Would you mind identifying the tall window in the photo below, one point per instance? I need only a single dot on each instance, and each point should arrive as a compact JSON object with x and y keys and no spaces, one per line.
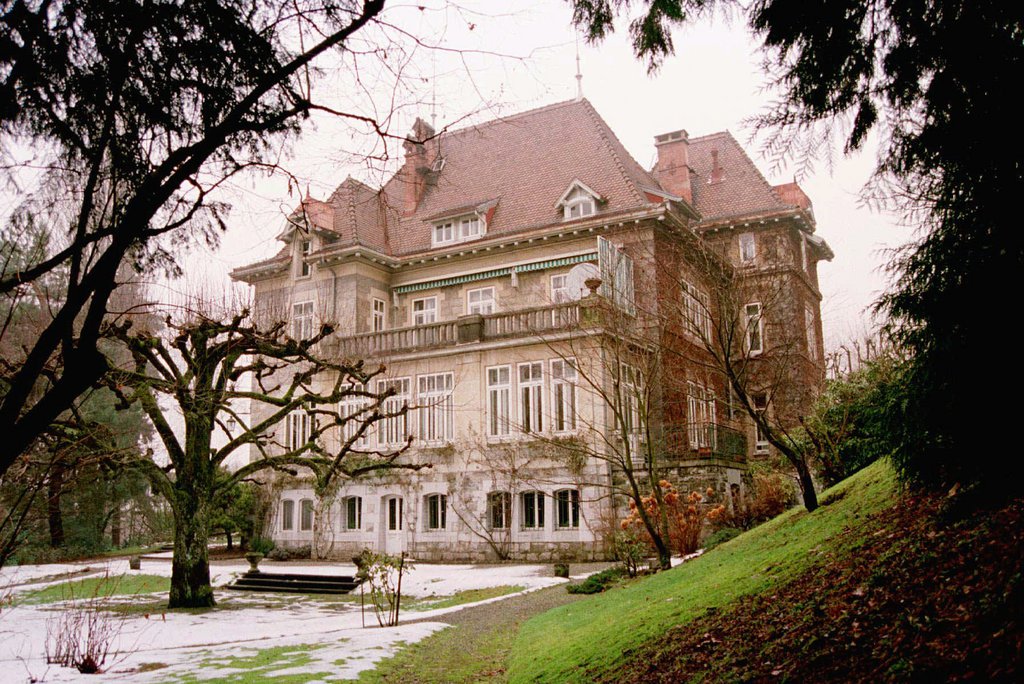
{"x":701,"y":407}
{"x":424,"y":310}
{"x":499,"y":510}
{"x":616,"y":275}
{"x":298,"y":426}
{"x":499,"y":389}
{"x":533,"y":510}
{"x":306,"y":515}
{"x":560,"y":288}
{"x":629,"y":397}
{"x":302,"y":320}
{"x":803,"y":252}
{"x":812,"y":333}
{"x":761,"y":443}
{"x":531,"y":397}
{"x":350,"y":410}
{"x":379,"y":315}
{"x":393,"y":430}
{"x":287,"y":515}
{"x":754,"y":328}
{"x":696,"y":311}
{"x":305,"y":248}
{"x":437,"y":511}
{"x":563,"y":395}
{"x":353,"y":507}
{"x":748,"y":248}
{"x":480,"y":301}
{"x":395,"y":513}
{"x":436,"y":407}
{"x":567,"y":506}
{"x":578,"y":204}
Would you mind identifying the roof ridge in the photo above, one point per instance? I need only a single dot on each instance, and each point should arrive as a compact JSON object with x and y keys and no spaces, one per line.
{"x":606,"y":133}
{"x":510,"y":117}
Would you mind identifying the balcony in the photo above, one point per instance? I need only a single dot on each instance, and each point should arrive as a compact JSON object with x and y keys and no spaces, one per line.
{"x":464,"y":330}
{"x":701,"y":440}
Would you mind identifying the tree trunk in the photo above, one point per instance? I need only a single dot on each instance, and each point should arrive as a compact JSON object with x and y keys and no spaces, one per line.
{"x":54,"y":517}
{"x":806,"y":485}
{"x":190,"y":567}
{"x":115,"y":526}
{"x":227,"y":532}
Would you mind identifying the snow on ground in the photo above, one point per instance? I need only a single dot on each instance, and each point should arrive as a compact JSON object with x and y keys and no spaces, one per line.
{"x":327,"y":633}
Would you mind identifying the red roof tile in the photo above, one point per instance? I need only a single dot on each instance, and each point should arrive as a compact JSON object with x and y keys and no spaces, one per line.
{"x":741,"y":190}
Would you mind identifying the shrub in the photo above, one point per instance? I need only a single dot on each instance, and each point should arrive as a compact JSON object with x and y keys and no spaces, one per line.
{"x":630,"y":548}
{"x":599,"y":581}
{"x":770,"y":494}
{"x":721,"y":536}
{"x":282,"y":553}
{"x":261,"y":545}
{"x":383,"y":573}
{"x":685,"y":517}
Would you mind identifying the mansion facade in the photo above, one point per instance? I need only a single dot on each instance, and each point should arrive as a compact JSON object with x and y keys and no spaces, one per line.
{"x":545,"y":307}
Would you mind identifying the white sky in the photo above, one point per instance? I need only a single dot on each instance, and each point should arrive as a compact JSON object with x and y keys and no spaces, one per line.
{"x":512,"y":62}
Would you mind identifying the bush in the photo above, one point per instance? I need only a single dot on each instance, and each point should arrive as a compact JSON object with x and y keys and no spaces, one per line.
{"x":630,"y":548}
{"x":383,"y":573}
{"x":261,"y":545}
{"x":721,"y":536}
{"x":599,"y":581}
{"x":685,"y":517}
{"x":281,"y":553}
{"x":770,"y":494}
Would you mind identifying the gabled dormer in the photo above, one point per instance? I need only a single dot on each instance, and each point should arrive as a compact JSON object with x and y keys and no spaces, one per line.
{"x":461,"y":224}
{"x":578,"y":201}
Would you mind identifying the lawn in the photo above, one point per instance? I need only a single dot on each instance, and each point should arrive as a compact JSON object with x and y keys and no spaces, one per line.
{"x":582,"y":641}
{"x":97,"y":588}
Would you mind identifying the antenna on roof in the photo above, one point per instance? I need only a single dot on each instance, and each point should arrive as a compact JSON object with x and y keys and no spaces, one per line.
{"x":433,"y":93}
{"x":579,"y":74}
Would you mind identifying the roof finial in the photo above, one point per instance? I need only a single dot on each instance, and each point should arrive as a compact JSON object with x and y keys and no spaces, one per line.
{"x":579,"y":74}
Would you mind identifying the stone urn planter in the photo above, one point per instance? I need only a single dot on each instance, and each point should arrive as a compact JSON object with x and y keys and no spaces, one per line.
{"x":134,"y":563}
{"x":254,"y":558}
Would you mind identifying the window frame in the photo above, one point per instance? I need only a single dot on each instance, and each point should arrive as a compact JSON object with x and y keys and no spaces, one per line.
{"x":560,"y":294}
{"x":348,"y":504}
{"x":530,"y":396}
{"x":390,"y":512}
{"x":567,"y":501}
{"x":303,"y":315}
{"x":348,"y":407}
{"x":499,"y":500}
{"x":456,"y":229}
{"x":299,"y":422}
{"x":378,"y":315}
{"x":811,"y":329}
{"x":748,"y":345}
{"x":578,"y":198}
{"x":748,"y":248}
{"x":536,"y":506}
{"x":498,"y":402}
{"x":435,"y":517}
{"x":567,"y":400}
{"x":305,"y":249}
{"x":306,"y":507}
{"x":420,"y":317}
{"x":761,"y":444}
{"x":388,"y":428}
{"x":287,"y":515}
{"x":438,"y":410}
{"x":479,"y":306}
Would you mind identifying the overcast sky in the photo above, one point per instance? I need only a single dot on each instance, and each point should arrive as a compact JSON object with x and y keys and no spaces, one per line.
{"x":497,"y":64}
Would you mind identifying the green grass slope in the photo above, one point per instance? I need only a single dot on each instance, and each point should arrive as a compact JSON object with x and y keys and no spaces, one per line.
{"x":587,"y":640}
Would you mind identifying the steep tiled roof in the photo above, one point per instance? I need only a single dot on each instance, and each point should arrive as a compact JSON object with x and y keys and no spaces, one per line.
{"x":359,"y":215}
{"x":526,"y":161}
{"x":741,"y":190}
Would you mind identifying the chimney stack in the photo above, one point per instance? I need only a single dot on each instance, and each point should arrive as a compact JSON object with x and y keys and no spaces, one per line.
{"x":673,"y":167}
{"x":418,"y":163}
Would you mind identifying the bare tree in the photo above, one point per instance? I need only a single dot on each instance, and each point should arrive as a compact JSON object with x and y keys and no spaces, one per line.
{"x":199,"y":367}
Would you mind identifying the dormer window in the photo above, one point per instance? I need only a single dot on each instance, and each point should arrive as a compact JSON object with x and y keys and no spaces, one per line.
{"x":459,"y":229}
{"x":578,"y":201}
{"x":305,"y":248}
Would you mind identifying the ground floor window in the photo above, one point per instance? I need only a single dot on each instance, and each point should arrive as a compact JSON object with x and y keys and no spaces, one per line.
{"x":437,"y":511}
{"x":567,"y":502}
{"x":306,"y":517}
{"x":353,"y":507}
{"x":533,"y":510}
{"x":394,"y":514}
{"x":287,"y":515}
{"x":499,"y":510}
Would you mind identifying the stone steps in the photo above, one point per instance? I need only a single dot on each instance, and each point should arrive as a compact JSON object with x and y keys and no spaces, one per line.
{"x":295,"y":584}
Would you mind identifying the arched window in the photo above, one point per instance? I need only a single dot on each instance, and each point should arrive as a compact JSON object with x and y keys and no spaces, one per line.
{"x":499,"y":510}
{"x":437,"y":511}
{"x":567,"y":505}
{"x":287,"y":514}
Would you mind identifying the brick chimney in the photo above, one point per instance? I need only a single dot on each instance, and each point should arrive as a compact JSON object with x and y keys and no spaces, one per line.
{"x":673,"y":167}
{"x":416,"y":171}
